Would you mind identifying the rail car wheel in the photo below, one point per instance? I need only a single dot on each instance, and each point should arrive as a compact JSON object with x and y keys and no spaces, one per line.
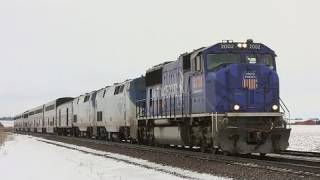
{"x":156,"y":144}
{"x":202,"y":148}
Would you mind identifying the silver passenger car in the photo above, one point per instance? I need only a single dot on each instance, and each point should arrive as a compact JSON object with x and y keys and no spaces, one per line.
{"x":65,"y":118}
{"x":50,"y":114}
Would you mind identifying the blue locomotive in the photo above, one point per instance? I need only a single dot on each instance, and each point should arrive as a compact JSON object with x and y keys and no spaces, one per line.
{"x":223,"y":97}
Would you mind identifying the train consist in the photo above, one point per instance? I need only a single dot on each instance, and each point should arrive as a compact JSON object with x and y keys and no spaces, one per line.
{"x":223,"y":97}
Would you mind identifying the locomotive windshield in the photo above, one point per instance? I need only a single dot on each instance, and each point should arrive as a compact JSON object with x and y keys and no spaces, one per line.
{"x":266,"y":59}
{"x":216,"y":60}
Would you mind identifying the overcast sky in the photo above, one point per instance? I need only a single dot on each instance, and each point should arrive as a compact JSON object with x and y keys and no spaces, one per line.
{"x":56,"y":48}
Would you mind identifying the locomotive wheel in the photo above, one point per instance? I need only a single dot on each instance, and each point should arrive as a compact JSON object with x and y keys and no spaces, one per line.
{"x":215,"y":150}
{"x":203,"y":146}
{"x":226,"y":153}
{"x":263,"y":154}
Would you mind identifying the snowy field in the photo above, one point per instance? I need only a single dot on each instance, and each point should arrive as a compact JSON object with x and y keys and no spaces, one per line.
{"x":24,"y":157}
{"x":7,"y":123}
{"x":27,"y":158}
{"x":305,"y":138}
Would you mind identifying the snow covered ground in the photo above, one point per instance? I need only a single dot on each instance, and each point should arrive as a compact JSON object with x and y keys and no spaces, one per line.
{"x":24,"y":157}
{"x":7,"y":123}
{"x":27,"y":158}
{"x":305,"y":138}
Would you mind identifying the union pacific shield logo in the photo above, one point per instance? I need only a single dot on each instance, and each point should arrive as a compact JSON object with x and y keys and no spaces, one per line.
{"x":250,"y":81}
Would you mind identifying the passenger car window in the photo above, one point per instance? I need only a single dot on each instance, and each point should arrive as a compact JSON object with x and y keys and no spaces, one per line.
{"x":99,"y":116}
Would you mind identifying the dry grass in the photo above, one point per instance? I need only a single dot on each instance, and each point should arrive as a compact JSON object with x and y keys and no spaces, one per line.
{"x":8,"y":129}
{"x":3,"y":136}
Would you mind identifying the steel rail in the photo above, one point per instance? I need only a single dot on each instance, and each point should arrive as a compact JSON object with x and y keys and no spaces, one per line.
{"x":300,"y":153}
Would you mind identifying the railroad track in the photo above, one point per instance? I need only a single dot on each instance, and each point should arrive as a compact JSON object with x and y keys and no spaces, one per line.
{"x":303,"y":168}
{"x":301,"y":153}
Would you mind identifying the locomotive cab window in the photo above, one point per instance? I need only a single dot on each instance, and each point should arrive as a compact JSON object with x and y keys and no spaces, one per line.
{"x":86,"y":98}
{"x":266,"y":59}
{"x":121,"y":89}
{"x":251,"y":59}
{"x":197,"y":63}
{"x":186,"y":62}
{"x":118,"y":89}
{"x":216,"y":60}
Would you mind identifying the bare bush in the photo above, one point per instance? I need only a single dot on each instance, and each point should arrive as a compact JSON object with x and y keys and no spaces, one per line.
{"x":3,"y":136}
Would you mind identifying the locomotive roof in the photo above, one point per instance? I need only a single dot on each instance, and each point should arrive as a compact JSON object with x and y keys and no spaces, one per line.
{"x":159,"y":66}
{"x":229,"y":46}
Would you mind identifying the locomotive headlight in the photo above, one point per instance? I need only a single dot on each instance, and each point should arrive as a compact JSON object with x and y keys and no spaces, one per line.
{"x":239,"y":45}
{"x":275,"y":107}
{"x":244,"y":45}
{"x":236,"y":107}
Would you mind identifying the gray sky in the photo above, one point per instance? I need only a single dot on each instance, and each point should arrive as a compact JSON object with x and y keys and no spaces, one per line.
{"x":50,"y":49}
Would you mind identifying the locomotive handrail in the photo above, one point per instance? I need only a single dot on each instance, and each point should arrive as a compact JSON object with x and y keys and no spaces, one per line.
{"x":174,"y":107}
{"x":282,"y":104}
{"x":224,"y":98}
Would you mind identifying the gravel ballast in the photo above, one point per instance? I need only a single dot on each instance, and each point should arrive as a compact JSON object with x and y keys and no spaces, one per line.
{"x":188,"y":163}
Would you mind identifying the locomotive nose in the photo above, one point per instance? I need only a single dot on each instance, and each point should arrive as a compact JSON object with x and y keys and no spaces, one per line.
{"x":253,"y":88}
